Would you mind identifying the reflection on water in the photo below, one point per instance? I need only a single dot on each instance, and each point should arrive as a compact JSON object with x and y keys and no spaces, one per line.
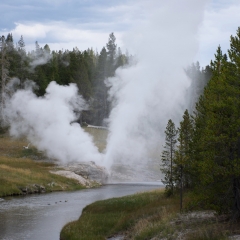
{"x":38,"y":217}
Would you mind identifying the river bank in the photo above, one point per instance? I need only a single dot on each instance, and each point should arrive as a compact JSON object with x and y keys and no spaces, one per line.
{"x":42,"y":216}
{"x":25,"y":170}
{"x":149,"y":215}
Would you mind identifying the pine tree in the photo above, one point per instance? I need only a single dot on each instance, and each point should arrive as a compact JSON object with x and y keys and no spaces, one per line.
{"x":64,"y":67}
{"x":111,"y":55}
{"x":100,"y":103}
{"x":21,"y":44}
{"x":22,"y":62}
{"x":234,"y":75}
{"x":185,"y":135}
{"x":90,"y":61}
{"x":208,"y":139}
{"x":4,"y":76}
{"x":54,"y":68}
{"x":216,"y":140}
{"x":9,"y":42}
{"x":168,"y":155}
{"x":38,"y":50}
{"x":182,"y":160}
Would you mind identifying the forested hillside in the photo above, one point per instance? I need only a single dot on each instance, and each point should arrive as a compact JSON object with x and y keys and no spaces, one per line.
{"x":203,"y":154}
{"x":88,"y":69}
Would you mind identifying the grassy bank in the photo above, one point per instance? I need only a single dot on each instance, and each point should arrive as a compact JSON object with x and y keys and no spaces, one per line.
{"x":21,"y":170}
{"x":148,"y":215}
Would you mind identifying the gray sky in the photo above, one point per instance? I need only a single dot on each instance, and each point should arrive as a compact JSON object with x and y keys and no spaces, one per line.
{"x":64,"y":24}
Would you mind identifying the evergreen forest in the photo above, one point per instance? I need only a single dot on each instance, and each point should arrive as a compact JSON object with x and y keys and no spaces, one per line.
{"x":201,"y":154}
{"x":88,"y":69}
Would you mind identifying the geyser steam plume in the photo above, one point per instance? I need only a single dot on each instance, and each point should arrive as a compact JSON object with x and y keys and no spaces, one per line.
{"x":152,"y":91}
{"x":145,"y":94}
{"x":46,"y":121}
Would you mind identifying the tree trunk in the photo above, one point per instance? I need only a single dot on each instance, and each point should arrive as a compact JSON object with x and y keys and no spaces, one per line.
{"x":236,"y":193}
{"x":181,"y":187}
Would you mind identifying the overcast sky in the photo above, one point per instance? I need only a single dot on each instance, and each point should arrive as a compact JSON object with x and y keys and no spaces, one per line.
{"x":64,"y":24}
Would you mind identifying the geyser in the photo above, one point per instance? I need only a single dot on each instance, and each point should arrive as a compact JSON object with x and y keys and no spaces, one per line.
{"x":46,"y":123}
{"x":145,"y":94}
{"x":152,"y":91}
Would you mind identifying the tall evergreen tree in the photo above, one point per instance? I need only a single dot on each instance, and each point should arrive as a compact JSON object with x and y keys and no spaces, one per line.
{"x":185,"y":135}
{"x":21,"y":44}
{"x":9,"y":42}
{"x":4,"y":76}
{"x":111,"y":54}
{"x":22,"y":62}
{"x":168,"y":155}
{"x":182,"y":160}
{"x":234,"y":81}
{"x":64,"y":67}
{"x":54,"y":68}
{"x":38,"y":50}
{"x":216,"y":140}
{"x":100,"y":103}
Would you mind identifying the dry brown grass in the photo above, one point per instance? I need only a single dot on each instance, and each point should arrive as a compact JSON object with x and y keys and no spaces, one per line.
{"x":11,"y":146}
{"x":6,"y":169}
{"x":18,"y":169}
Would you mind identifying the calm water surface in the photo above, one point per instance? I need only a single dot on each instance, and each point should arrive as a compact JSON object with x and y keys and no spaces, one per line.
{"x":38,"y":217}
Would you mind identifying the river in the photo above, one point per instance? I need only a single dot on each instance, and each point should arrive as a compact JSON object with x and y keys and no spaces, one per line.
{"x":38,"y":217}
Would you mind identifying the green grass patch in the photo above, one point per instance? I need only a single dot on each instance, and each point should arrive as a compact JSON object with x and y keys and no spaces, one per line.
{"x":142,"y":216}
{"x":134,"y":214}
{"x":19,"y":171}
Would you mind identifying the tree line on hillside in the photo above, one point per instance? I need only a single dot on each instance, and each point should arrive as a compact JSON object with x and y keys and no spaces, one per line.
{"x":202,"y":155}
{"x":88,"y":69}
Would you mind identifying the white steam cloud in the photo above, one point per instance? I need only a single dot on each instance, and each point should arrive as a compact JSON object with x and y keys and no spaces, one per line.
{"x":153,"y":91}
{"x":46,"y":121}
{"x":145,"y":94}
{"x":43,"y":58}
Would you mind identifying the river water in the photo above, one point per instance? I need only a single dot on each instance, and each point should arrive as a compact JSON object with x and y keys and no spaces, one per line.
{"x":38,"y":217}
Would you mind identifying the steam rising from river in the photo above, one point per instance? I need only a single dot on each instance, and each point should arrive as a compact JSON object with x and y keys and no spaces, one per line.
{"x":145,"y":94}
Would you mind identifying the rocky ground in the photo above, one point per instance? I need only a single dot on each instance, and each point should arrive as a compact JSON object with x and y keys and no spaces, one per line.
{"x":190,"y":221}
{"x":87,"y":173}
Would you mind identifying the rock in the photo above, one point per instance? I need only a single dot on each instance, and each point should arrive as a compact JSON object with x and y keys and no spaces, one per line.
{"x":52,"y":184}
{"x":39,"y":188}
{"x":118,"y":237}
{"x":72,"y":175}
{"x":24,"y":190}
{"x":33,"y":188}
{"x":88,"y":170}
{"x":235,"y":237}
